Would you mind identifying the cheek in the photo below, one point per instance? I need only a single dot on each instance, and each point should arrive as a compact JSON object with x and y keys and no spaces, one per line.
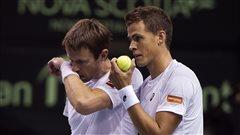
{"x":149,"y":52}
{"x":91,"y":67}
{"x":145,"y":49}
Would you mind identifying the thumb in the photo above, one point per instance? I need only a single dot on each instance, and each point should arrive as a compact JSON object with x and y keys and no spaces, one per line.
{"x":114,"y":66}
{"x":133,"y":65}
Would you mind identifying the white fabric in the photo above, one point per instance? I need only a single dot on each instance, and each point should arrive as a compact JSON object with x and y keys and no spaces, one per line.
{"x":177,"y":80}
{"x":128,"y":96}
{"x":66,"y":70}
{"x":114,"y":121}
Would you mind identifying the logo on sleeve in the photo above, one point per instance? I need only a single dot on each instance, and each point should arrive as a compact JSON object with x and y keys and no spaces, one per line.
{"x":174,"y":99}
{"x":124,"y":98}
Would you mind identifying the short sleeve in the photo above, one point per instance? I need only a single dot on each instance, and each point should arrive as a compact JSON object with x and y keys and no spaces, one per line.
{"x":112,"y":93}
{"x":177,"y":95}
{"x":137,"y":80}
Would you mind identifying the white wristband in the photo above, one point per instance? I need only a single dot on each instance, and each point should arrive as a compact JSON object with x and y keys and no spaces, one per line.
{"x":128,"y":96}
{"x":66,"y":70}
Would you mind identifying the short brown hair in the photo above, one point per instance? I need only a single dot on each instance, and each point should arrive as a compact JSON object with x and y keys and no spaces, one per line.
{"x":90,"y":34}
{"x":154,"y":18}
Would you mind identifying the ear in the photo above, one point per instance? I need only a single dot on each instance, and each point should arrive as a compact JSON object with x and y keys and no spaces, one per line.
{"x":104,"y":54}
{"x":161,"y":37}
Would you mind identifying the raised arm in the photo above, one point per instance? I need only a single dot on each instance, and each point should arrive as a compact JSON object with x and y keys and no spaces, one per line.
{"x":84,"y":99}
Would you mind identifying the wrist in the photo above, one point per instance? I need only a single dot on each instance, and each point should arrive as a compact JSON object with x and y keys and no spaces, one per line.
{"x":128,"y":96}
{"x":66,"y":70}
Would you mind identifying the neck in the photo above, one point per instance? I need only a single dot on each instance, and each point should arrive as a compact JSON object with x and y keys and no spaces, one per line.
{"x":103,"y":68}
{"x":159,"y":64}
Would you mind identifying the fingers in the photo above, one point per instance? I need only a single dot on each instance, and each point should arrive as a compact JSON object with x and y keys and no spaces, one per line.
{"x":54,"y":65}
{"x":133,"y":65}
{"x":50,"y":67}
{"x":118,"y":77}
{"x":114,"y":67}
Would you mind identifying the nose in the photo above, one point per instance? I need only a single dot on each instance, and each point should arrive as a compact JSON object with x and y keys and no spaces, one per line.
{"x":132,"y":46}
{"x":75,"y":67}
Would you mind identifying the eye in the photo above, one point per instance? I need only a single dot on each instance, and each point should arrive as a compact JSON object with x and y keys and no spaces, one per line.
{"x":78,"y":62}
{"x":137,"y":38}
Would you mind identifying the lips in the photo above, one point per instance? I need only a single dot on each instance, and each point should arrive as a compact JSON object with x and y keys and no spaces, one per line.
{"x":136,"y":55}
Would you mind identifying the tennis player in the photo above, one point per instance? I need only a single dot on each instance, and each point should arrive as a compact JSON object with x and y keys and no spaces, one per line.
{"x":171,"y":97}
{"x":93,"y":105}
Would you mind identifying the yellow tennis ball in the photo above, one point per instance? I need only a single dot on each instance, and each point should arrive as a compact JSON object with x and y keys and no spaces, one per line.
{"x":124,"y":63}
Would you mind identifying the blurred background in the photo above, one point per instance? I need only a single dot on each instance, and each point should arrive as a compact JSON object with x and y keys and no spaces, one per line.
{"x":205,"y":38}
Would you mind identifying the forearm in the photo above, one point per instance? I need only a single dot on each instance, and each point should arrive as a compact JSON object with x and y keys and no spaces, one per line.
{"x":77,"y":92}
{"x":74,"y":87}
{"x":164,"y":123}
{"x":84,"y":99}
{"x":143,"y":122}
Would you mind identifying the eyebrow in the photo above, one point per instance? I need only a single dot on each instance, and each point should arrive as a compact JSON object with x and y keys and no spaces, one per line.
{"x":134,"y":35}
{"x":131,"y":37}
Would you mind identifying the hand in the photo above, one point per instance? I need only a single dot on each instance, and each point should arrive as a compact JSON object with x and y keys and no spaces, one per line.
{"x":119,"y":78}
{"x":54,"y":65}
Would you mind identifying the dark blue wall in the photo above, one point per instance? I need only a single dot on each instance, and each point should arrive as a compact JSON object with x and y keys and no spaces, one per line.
{"x":206,"y":38}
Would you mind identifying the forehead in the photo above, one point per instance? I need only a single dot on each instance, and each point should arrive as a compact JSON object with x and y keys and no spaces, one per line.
{"x":136,"y":28}
{"x":79,"y":54}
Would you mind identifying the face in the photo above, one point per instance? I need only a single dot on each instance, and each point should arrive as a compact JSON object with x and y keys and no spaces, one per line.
{"x":144,"y":44}
{"x":84,"y":63}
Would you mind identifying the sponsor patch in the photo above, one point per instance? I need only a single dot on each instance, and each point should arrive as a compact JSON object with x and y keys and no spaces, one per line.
{"x":109,"y":83}
{"x":174,"y":99}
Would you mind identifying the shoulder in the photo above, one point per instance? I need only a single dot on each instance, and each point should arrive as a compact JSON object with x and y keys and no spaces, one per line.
{"x":181,"y":70}
{"x":137,"y":79}
{"x":136,"y":72}
{"x":137,"y":76}
{"x":182,"y":73}
{"x":182,"y":78}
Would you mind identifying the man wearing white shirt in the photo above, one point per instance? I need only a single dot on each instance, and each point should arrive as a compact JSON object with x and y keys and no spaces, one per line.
{"x":171,"y":97}
{"x":93,"y":105}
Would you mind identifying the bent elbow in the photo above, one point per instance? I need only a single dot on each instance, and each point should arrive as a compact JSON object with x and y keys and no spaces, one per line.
{"x":82,"y":107}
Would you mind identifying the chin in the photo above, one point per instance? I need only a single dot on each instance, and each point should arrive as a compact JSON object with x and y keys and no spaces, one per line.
{"x":84,"y":79}
{"x":139,"y":64}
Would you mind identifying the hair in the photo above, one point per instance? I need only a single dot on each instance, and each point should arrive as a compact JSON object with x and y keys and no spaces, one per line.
{"x":90,"y":34}
{"x":154,"y":18}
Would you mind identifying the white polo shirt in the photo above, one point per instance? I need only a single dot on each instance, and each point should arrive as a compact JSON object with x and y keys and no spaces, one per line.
{"x":175,"y":90}
{"x":113,"y":121}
